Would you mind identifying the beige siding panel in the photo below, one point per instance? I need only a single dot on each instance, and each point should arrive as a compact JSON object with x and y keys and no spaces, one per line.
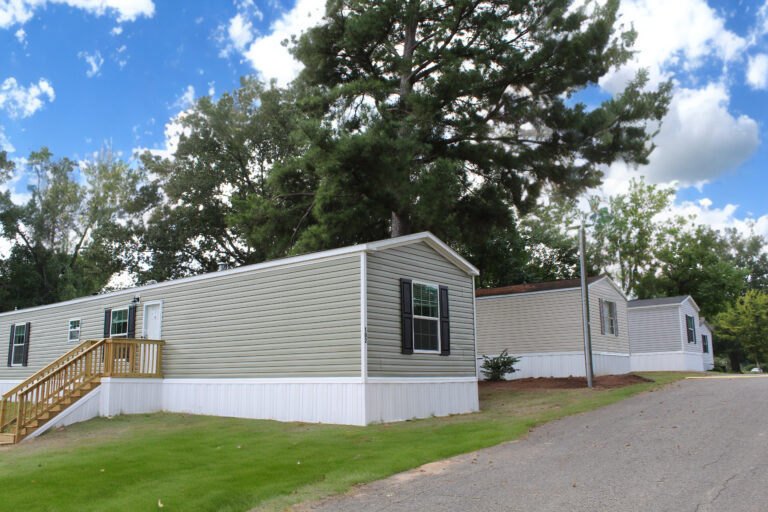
{"x":529,"y":323}
{"x":608,"y":342}
{"x":655,"y":329}
{"x":418,"y":262}
{"x":295,"y":321}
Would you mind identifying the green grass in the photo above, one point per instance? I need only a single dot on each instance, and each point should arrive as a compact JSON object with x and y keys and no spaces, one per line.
{"x":201,"y":463}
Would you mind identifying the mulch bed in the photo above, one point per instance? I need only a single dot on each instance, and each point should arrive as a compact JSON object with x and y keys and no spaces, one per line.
{"x":544,"y":383}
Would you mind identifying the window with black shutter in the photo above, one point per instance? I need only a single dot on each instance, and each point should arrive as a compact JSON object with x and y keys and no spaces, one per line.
{"x":705,"y":343}
{"x":425,"y":318}
{"x":18,"y":351}
{"x":691,"y":328}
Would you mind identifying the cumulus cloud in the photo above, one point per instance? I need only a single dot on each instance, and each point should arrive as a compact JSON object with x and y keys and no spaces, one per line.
{"x":757,"y":71}
{"x":699,"y":139}
{"x":94,"y":61}
{"x":19,"y":101}
{"x":5,"y":144}
{"x":21,"y":36}
{"x":266,"y":52}
{"x":172,"y":134}
{"x":18,"y":12}
{"x":186,"y":99}
{"x":673,"y":36}
{"x":116,"y":31}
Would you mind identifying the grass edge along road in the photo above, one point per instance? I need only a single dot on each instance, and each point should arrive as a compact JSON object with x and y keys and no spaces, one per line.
{"x":204,"y":463}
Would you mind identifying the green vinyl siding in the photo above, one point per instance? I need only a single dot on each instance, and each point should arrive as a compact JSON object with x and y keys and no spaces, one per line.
{"x":420,"y":263}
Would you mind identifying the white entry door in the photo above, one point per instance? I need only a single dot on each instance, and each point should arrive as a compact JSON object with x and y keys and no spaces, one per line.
{"x":153,"y":319}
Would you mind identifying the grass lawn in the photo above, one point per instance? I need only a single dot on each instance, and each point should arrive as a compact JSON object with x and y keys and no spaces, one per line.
{"x":200,"y":463}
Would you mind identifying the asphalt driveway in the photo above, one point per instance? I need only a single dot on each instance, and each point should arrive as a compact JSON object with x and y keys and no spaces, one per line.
{"x":697,"y":445}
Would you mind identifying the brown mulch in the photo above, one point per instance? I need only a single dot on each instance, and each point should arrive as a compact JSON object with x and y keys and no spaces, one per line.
{"x":601,"y":382}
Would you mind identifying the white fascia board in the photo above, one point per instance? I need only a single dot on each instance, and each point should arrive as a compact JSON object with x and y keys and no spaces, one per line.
{"x":655,"y":306}
{"x":431,"y":240}
{"x":695,"y":306}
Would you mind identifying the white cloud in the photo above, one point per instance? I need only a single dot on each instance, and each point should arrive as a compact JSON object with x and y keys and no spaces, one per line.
{"x":266,"y":53}
{"x":20,"y":101}
{"x":757,"y":71}
{"x":673,"y":36}
{"x":18,"y":12}
{"x":21,"y":36}
{"x":211,"y":88}
{"x":702,"y":212}
{"x":186,"y":99}
{"x":173,"y":131}
{"x":699,"y":140}
{"x":94,"y":61}
{"x":116,"y":31}
{"x":5,"y":144}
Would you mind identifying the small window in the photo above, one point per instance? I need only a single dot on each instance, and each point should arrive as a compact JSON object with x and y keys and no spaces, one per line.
{"x":610,"y":318}
{"x":74,"y":330}
{"x":19,"y":342}
{"x":119,"y":324}
{"x":691,"y":328}
{"x":705,"y":343}
{"x":426,"y":315}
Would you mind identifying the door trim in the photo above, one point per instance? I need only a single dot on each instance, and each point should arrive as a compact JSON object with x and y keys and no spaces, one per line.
{"x":144,"y":319}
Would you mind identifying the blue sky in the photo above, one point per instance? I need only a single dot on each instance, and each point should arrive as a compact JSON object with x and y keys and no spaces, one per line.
{"x":76,"y":74}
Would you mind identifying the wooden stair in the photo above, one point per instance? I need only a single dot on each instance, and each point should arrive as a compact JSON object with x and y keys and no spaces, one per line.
{"x":50,"y":391}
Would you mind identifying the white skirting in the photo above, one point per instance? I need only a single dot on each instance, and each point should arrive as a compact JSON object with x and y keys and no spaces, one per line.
{"x":566,"y":364}
{"x":347,"y":401}
{"x":667,"y":361}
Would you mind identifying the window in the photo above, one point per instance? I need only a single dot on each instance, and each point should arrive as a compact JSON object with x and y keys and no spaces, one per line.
{"x":426,"y":318}
{"x":691,"y":328}
{"x":704,"y":343}
{"x":19,"y":342}
{"x":74,"y":330}
{"x":610,"y":321}
{"x":119,"y":323}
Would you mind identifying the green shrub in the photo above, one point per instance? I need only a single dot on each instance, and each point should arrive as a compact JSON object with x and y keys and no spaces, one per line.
{"x":494,"y":368}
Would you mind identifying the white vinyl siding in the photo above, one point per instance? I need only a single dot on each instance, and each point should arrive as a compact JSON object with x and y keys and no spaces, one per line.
{"x":420,"y":263}
{"x":655,"y":329}
{"x":294,"y":321}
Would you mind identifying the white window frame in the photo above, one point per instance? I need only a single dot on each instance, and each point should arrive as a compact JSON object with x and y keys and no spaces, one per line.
{"x":14,"y":344}
{"x":79,"y":329}
{"x":435,"y":319}
{"x":690,"y":329}
{"x":111,"y":319}
{"x":144,"y":318}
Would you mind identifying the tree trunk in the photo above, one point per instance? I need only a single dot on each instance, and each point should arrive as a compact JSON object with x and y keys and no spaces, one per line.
{"x":401,"y":225}
{"x":735,"y":364}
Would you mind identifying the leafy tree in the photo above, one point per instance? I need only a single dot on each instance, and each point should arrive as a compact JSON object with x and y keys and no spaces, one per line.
{"x":692,"y":262}
{"x":443,"y":114}
{"x":228,"y":152}
{"x":749,"y":252}
{"x":626,"y":232}
{"x":69,"y":238}
{"x":745,"y":323}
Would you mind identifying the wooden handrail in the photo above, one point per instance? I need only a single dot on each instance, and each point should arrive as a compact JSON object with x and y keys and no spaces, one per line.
{"x":50,"y":366}
{"x":48,"y":391}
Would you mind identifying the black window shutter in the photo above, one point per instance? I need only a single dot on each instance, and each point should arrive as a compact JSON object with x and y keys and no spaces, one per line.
{"x":132,"y":321}
{"x":10,"y":345}
{"x":445,"y":323}
{"x":25,"y":356}
{"x":107,"y":322}
{"x":406,"y":316}
{"x":602,"y":317}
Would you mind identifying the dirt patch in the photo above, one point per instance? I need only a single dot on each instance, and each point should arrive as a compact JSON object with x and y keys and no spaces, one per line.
{"x":543,"y":383}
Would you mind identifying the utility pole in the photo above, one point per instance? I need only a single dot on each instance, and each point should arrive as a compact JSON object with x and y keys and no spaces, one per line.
{"x":585,"y":309}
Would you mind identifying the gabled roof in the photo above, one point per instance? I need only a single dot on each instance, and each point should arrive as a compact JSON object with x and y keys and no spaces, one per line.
{"x":662,"y":301}
{"x":703,"y":322}
{"x":426,"y":237}
{"x":546,"y":286}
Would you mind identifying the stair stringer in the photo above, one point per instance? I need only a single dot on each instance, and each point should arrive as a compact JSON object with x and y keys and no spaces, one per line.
{"x":86,"y":408}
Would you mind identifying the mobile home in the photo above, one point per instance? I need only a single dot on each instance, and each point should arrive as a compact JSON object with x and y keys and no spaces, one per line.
{"x":664,"y":335}
{"x":541,"y":323}
{"x":373,"y":332}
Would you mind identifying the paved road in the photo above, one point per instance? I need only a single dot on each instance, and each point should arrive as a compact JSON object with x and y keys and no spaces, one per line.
{"x":698,"y":445}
